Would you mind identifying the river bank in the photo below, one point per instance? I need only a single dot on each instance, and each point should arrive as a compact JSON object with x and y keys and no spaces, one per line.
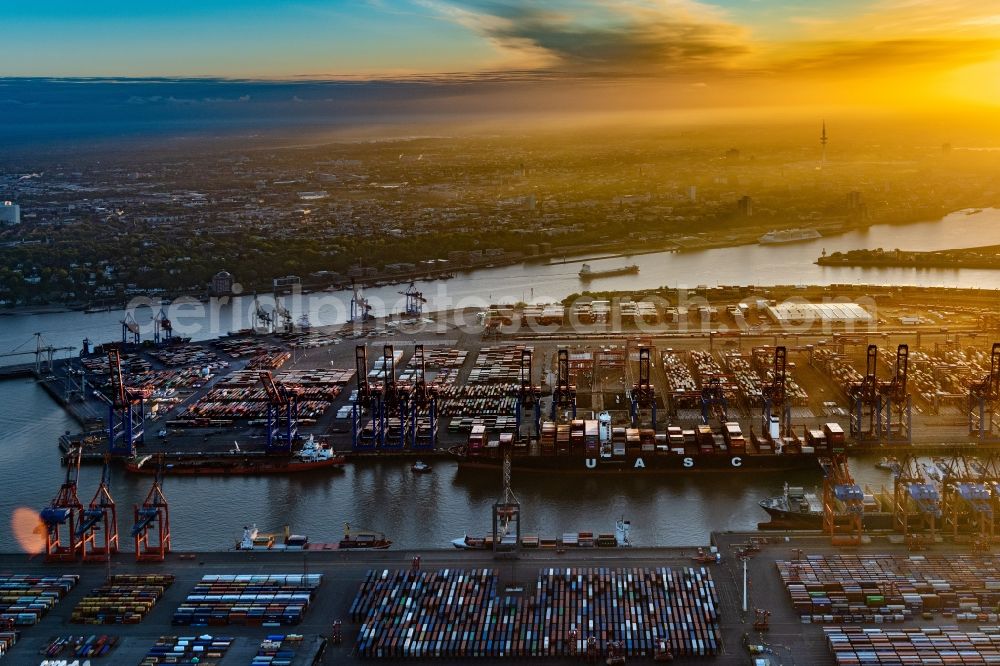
{"x":674,"y":243}
{"x":985,"y":257}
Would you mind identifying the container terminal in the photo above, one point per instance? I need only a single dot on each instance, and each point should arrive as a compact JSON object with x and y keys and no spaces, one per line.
{"x":601,"y":386}
{"x":893,"y":576}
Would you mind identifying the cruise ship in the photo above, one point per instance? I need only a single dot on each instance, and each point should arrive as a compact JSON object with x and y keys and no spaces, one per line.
{"x":788,"y":236}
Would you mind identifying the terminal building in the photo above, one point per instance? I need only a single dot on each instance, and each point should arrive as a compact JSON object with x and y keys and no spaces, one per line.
{"x":829,"y":313}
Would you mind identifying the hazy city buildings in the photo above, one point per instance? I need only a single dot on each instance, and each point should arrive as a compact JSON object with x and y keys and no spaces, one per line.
{"x":10,"y":213}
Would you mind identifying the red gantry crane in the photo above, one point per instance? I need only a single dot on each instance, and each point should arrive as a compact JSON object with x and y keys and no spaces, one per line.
{"x":98,"y":531}
{"x":151,"y":531}
{"x":65,"y":511}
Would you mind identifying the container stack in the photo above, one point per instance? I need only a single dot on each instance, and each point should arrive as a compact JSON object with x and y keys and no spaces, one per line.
{"x":499,"y":364}
{"x":884,"y":588}
{"x":464,"y":614}
{"x":253,"y":600}
{"x":201,"y":650}
{"x":123,"y":599}
{"x":479,"y":400}
{"x":277,"y":650}
{"x":7,"y":641}
{"x":26,"y":599}
{"x":79,"y":647}
{"x":916,"y":646}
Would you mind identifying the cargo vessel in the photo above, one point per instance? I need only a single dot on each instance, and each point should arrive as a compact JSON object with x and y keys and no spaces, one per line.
{"x":594,"y":446}
{"x":798,"y":509}
{"x":253,"y":539}
{"x":794,"y":509}
{"x":620,"y":539}
{"x":311,"y":457}
{"x":588,"y":273}
{"x":788,"y":236}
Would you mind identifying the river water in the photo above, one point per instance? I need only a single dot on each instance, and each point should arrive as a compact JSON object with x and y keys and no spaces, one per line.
{"x":430,"y":510}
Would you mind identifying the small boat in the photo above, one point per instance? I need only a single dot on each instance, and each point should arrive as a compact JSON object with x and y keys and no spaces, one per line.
{"x":162,"y":433}
{"x":420,"y":467}
{"x":887,"y":463}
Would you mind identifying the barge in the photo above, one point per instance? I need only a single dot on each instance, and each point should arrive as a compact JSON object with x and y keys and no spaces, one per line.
{"x":621,"y":538}
{"x":312,"y":456}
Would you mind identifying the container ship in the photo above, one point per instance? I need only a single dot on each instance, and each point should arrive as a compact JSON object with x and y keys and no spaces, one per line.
{"x":588,"y":273}
{"x":594,"y":446}
{"x":788,"y":236}
{"x":312,"y":456}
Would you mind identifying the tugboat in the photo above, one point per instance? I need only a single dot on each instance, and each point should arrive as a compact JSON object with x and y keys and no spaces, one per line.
{"x":420,"y":467}
{"x":795,"y":509}
{"x":887,"y":463}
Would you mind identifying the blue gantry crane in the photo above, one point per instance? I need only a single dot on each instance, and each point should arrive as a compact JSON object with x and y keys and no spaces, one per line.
{"x":367,"y":399}
{"x":393,"y":403}
{"x":843,"y":502}
{"x":777,"y":407}
{"x":422,"y":404}
{"x":126,"y":411}
{"x":895,"y":404}
{"x":713,"y":399}
{"x":163,"y":329}
{"x":984,"y":397}
{"x":282,"y":421}
{"x":643,"y":394}
{"x":915,"y":497}
{"x":529,"y":396}
{"x":865,"y":402}
{"x":414,"y":303}
{"x":130,"y":330}
{"x":361,"y":309}
{"x":564,"y":393}
{"x":965,"y":498}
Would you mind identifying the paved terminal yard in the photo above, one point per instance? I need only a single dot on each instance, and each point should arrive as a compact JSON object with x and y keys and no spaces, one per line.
{"x":790,"y":640}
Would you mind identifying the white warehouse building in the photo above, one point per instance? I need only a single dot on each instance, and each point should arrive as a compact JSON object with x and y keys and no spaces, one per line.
{"x":831,"y":313}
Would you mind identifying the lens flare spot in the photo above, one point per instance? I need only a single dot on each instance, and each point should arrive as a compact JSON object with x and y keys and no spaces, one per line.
{"x":29,"y":530}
